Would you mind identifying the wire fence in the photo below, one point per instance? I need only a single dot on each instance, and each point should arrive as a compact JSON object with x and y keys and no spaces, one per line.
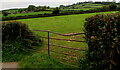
{"x":49,"y":44}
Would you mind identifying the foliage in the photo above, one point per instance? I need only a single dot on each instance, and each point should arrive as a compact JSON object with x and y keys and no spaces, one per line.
{"x":42,"y":61}
{"x":40,"y":8}
{"x":103,"y":38}
{"x":17,"y":39}
{"x":21,"y":10}
{"x":8,"y":57}
{"x":31,"y":8}
{"x":56,"y":10}
{"x":105,"y":8}
{"x":113,"y":6}
{"x":14,"y":29}
{"x":84,"y":62}
{"x":118,"y":8}
{"x":5,"y":13}
{"x":26,"y":13}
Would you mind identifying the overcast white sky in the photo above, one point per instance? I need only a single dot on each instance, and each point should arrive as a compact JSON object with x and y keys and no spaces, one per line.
{"x":49,"y":0}
{"x":6,"y":4}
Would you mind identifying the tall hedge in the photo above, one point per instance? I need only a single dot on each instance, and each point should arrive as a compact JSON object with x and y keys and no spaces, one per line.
{"x":17,"y":38}
{"x":13,"y":29}
{"x":103,"y":38}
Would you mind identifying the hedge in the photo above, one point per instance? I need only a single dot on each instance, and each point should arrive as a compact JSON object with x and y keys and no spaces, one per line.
{"x":17,"y":40}
{"x":103,"y":38}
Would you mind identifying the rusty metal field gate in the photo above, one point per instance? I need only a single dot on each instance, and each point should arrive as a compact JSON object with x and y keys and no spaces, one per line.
{"x":49,"y":44}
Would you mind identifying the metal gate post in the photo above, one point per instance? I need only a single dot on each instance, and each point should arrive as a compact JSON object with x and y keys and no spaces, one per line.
{"x":48,"y":43}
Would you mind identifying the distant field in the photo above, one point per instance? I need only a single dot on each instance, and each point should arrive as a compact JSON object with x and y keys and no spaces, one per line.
{"x":82,"y":6}
{"x":12,"y":10}
{"x":78,"y":9}
{"x":30,"y":13}
{"x":91,"y":5}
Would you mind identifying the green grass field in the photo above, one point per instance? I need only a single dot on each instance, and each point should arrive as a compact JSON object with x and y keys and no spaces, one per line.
{"x":64,"y":25}
{"x":78,"y":9}
{"x":60,"y":24}
{"x":12,"y":10}
{"x":84,"y":6}
{"x":30,"y":13}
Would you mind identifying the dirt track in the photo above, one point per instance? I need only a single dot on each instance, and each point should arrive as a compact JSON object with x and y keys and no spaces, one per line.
{"x":9,"y":65}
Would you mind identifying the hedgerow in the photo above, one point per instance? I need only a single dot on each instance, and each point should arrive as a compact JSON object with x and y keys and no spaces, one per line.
{"x":103,"y":38}
{"x":17,"y":39}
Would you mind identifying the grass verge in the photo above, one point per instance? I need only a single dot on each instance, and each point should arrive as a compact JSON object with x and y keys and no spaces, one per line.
{"x":41,"y":61}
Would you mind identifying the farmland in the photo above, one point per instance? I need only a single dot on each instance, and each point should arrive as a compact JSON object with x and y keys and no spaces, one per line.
{"x":60,"y":24}
{"x":30,"y":13}
{"x":77,"y":9}
{"x":54,"y":37}
{"x":64,"y":25}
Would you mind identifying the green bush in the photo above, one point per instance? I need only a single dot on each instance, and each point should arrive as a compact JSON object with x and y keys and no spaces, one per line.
{"x":31,"y":8}
{"x":56,"y":11}
{"x":84,"y":62}
{"x":5,"y":13}
{"x":118,"y":8}
{"x":17,"y":39}
{"x":12,"y":30}
{"x":103,"y":38}
{"x":112,"y":6}
{"x":105,"y":8}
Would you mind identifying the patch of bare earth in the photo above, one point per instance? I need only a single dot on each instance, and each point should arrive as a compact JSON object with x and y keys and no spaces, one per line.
{"x":9,"y":65}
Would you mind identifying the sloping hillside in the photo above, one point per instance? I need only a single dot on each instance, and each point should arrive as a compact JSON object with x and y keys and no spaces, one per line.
{"x":86,"y":5}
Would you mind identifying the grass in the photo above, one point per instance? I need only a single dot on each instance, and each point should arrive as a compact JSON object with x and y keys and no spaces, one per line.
{"x":12,"y":57}
{"x":84,"y":6}
{"x":78,"y":9}
{"x":41,"y":61}
{"x":30,"y":13}
{"x":15,"y":52}
{"x":62,"y":24}
{"x":12,"y":10}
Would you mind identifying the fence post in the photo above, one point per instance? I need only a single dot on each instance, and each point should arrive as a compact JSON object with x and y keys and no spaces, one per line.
{"x":48,"y":43}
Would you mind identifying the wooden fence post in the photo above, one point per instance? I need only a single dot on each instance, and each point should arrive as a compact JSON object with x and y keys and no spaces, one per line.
{"x":48,"y":43}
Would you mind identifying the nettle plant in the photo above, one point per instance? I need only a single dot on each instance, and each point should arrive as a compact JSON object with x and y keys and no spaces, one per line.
{"x":103,"y":38}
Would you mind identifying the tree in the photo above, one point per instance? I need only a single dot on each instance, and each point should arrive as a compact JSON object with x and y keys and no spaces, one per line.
{"x":31,"y":8}
{"x":5,"y":13}
{"x":20,"y":10}
{"x":118,"y":8}
{"x":61,"y":5}
{"x":105,"y":8}
{"x":48,"y":7}
{"x":113,"y":6}
{"x":43,"y":8}
{"x":56,"y":10}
